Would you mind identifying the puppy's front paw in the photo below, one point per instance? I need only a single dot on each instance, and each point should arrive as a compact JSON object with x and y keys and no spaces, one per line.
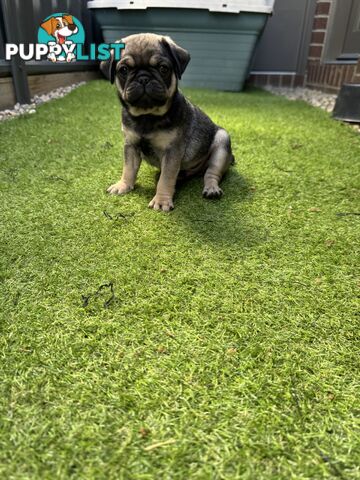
{"x":70,"y":57}
{"x":119,"y":188}
{"x":213,"y":191}
{"x":52,"y":57}
{"x":162,"y":202}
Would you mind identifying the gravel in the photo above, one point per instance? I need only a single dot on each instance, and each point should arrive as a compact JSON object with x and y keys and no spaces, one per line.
{"x":316,"y":98}
{"x":37,"y":100}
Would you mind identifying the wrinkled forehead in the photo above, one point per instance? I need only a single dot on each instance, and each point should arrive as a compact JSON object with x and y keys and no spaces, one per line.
{"x":143,"y":50}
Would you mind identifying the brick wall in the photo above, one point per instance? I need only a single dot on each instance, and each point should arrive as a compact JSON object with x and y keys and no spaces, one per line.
{"x":290,"y":80}
{"x":326,"y":76}
{"x":319,"y":74}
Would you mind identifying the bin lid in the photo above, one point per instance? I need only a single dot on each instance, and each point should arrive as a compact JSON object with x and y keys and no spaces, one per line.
{"x":232,"y":6}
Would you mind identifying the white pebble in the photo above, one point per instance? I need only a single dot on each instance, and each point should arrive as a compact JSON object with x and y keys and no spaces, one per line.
{"x":37,"y":100}
{"x":316,"y":98}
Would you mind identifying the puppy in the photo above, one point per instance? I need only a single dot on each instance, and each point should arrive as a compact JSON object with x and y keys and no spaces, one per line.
{"x":160,"y":124}
{"x":60,"y":28}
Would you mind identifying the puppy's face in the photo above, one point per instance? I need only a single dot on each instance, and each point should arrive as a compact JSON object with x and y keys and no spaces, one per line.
{"x":65,"y":27}
{"x":147,"y":74}
{"x":60,"y":27}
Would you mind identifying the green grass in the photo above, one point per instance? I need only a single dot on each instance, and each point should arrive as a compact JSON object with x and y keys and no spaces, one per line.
{"x":234,"y":333}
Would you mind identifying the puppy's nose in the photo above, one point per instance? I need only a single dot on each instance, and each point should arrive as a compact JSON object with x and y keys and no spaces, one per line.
{"x":143,"y":79}
{"x":72,"y":26}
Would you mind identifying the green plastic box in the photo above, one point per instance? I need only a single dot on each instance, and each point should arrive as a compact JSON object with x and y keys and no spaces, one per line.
{"x":221,"y":37}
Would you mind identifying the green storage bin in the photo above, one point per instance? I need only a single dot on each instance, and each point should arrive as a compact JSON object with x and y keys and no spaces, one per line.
{"x":221,"y":37}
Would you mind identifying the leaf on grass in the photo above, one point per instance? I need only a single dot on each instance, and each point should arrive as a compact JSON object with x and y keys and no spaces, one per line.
{"x":231,"y":351}
{"x":144,"y":432}
{"x":345,"y":214}
{"x":329,"y":242}
{"x":120,"y":216}
{"x":159,"y":444}
{"x":86,"y":298}
{"x":161,"y":349}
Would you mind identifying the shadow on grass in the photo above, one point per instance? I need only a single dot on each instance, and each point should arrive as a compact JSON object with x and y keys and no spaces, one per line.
{"x":225,"y":221}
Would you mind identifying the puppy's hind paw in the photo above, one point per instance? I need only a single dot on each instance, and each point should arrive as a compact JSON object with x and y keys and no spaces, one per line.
{"x":119,"y":188}
{"x":213,"y":191}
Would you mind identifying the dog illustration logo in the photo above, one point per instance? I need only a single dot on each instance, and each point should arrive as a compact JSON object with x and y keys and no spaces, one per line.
{"x":62,"y":33}
{"x":61,"y":38}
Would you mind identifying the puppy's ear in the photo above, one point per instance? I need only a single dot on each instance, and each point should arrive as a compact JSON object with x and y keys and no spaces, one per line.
{"x":48,"y":26}
{"x":69,"y":19}
{"x":180,"y":57}
{"x":108,"y":67}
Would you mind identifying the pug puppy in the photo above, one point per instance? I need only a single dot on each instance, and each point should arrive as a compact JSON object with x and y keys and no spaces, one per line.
{"x":160,"y":124}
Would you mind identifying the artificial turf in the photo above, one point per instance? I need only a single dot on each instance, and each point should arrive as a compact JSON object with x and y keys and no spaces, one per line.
{"x":219,"y":341}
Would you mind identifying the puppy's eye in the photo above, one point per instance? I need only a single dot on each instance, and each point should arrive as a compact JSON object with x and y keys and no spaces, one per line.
{"x":163,"y":69}
{"x":123,"y":70}
{"x":58,"y":25}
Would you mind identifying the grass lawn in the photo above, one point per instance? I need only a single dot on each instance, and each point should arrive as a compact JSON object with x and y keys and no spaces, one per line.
{"x":220,"y":341}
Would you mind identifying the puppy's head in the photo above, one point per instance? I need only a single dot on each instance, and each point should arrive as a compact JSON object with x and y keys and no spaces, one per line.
{"x":60,"y":27}
{"x":147,"y":74}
